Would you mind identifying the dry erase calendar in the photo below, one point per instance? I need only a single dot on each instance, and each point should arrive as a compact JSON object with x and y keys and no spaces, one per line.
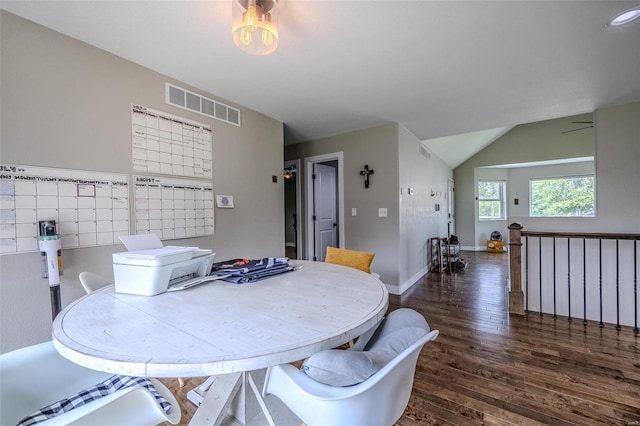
{"x":90,"y":208}
{"x":173,"y":208}
{"x":168,"y":144}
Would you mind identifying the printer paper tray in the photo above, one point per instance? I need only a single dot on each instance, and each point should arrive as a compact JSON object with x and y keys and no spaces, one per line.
{"x":182,"y":285}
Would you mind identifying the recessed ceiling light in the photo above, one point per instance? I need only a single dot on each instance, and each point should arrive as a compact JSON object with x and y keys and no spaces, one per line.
{"x":624,"y":17}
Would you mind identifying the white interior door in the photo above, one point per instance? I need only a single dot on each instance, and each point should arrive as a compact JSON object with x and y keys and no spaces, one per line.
{"x":325,"y":209}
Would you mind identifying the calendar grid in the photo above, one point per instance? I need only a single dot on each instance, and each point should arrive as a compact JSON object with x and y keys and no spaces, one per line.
{"x":90,"y":208}
{"x":173,"y":208}
{"x":168,"y":144}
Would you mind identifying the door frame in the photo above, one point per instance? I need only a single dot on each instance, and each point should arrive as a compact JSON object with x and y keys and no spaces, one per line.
{"x":308,"y":167}
{"x":296,"y":163}
{"x":451,"y":206}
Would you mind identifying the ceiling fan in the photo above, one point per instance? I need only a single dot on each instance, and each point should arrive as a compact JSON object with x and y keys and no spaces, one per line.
{"x":580,"y":128}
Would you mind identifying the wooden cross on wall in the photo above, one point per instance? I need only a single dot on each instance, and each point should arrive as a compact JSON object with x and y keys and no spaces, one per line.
{"x":366,"y":172}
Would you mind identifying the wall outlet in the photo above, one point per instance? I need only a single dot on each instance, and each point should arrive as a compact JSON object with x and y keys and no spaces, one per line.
{"x":382,"y":212}
{"x":354,"y":211}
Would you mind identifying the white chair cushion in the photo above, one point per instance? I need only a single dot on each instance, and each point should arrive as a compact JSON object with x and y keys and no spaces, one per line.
{"x":397,"y":320}
{"x":336,"y":367}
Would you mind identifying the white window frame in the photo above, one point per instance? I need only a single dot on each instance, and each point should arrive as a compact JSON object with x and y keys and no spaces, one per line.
{"x":501,"y":199}
{"x":587,"y":175}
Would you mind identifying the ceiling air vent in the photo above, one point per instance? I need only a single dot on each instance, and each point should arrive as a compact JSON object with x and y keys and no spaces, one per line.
{"x":190,"y":101}
{"x":425,"y":151}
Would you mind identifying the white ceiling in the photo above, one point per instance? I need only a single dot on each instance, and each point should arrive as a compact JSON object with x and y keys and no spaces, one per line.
{"x":439,"y":68}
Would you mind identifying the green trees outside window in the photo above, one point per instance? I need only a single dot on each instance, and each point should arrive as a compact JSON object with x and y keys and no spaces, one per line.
{"x":491,"y":200}
{"x":563,"y":197}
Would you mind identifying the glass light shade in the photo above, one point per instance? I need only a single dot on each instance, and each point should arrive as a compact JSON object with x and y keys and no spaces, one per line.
{"x":625,"y":17}
{"x":254,"y":26}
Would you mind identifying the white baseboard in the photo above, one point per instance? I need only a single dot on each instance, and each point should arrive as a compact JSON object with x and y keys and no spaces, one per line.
{"x":392,"y":289}
{"x":399,"y":289}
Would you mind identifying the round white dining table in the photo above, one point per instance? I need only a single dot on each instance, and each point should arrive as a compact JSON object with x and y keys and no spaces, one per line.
{"x":219,"y":327}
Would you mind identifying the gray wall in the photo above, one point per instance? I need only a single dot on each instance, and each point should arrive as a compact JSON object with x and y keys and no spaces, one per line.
{"x":540,"y":141}
{"x":616,"y":149}
{"x":419,"y":219}
{"x":376,"y":147}
{"x":518,"y":182}
{"x":618,"y":168}
{"x":398,"y":240}
{"x":66,"y":104}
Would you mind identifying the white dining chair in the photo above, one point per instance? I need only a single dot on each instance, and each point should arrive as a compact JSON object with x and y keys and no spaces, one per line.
{"x":380,"y":400}
{"x":91,"y":282}
{"x":37,"y":376}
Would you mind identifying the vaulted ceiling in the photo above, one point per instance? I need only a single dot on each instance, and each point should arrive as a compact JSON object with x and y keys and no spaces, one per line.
{"x":439,"y":68}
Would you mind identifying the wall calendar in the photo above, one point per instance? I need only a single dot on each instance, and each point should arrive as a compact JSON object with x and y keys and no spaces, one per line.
{"x":173,"y":208}
{"x":90,"y":208}
{"x":168,"y":144}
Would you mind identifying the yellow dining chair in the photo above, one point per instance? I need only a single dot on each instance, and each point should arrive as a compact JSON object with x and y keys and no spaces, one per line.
{"x":352,"y":258}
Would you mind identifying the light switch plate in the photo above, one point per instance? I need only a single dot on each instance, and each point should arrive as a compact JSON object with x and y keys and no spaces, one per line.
{"x":382,"y":212}
{"x":354,"y":211}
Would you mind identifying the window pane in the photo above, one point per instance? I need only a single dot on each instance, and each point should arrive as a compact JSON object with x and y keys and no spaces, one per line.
{"x":574,"y":196}
{"x":489,"y":190}
{"x":491,"y":201}
{"x":490,"y":210}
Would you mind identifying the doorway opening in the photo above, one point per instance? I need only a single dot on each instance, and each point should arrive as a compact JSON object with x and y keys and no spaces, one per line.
{"x":451,"y":213}
{"x":292,"y":207}
{"x":325,"y":204}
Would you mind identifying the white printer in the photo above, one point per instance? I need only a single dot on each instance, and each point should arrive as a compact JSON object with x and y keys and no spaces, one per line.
{"x":154,"y":271}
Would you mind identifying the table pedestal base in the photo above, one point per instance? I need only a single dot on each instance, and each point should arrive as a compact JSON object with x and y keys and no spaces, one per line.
{"x":220,"y":394}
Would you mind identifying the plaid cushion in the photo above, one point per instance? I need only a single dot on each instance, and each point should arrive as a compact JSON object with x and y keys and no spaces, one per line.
{"x":109,"y":386}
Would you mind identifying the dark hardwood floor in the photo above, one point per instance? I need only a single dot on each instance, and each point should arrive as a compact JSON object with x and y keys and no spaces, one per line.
{"x":494,"y":369}
{"x":490,"y":368}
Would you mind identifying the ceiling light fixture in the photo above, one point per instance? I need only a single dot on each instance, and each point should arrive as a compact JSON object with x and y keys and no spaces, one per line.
{"x":254,"y":26}
{"x":625,"y":17}
{"x":289,"y":172}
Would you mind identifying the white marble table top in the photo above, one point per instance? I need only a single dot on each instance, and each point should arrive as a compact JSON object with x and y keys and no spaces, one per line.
{"x":221,"y":328}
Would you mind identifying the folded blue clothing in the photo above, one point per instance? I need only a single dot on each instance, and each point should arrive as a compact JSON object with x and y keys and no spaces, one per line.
{"x":255,"y":270}
{"x":258,"y":265}
{"x":257,"y":276}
